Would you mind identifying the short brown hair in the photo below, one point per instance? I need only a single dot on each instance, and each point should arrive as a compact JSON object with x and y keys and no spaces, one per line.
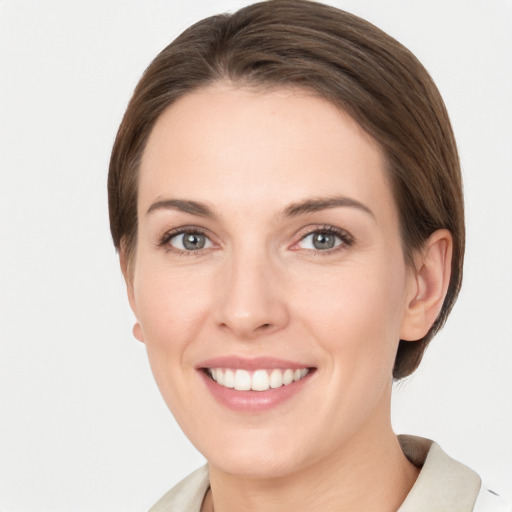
{"x":338,"y":56}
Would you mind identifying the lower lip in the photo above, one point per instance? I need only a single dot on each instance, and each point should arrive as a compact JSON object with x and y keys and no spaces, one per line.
{"x":253,"y":401}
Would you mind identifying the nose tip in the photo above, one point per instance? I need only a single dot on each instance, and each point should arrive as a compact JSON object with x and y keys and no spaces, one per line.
{"x":249,"y":312}
{"x":251,"y":302}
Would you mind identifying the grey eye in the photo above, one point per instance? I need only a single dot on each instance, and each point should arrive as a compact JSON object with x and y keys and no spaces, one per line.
{"x":320,"y":241}
{"x":323,"y":241}
{"x":190,"y":241}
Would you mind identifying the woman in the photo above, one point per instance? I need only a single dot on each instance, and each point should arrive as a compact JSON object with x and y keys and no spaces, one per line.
{"x":285,"y":194}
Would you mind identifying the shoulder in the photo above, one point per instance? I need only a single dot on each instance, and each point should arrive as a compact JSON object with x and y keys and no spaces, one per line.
{"x":445,"y":484}
{"x":187,"y":496}
{"x":489,"y":501}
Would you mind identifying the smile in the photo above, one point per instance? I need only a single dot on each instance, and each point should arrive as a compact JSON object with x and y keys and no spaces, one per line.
{"x":258,"y":380}
{"x":254,"y":385}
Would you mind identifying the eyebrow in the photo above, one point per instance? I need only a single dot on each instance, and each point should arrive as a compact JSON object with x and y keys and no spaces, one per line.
{"x":304,"y":207}
{"x":187,"y":206}
{"x":322,"y":203}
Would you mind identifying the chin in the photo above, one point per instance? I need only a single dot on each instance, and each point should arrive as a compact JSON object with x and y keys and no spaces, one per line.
{"x":261,"y":458}
{"x":262,"y":466}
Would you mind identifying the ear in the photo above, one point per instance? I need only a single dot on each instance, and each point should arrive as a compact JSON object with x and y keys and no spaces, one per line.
{"x":428,"y":285}
{"x":127,"y":270}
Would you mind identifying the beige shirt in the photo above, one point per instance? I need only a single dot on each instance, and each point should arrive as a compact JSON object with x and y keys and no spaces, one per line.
{"x":443,"y":485}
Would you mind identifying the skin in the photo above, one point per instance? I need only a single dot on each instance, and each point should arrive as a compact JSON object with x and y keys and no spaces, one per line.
{"x":259,"y":287}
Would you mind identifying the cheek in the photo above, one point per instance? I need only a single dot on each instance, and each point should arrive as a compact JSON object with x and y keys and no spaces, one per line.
{"x":171,"y":308}
{"x":355,"y":314}
{"x":171,"y":311}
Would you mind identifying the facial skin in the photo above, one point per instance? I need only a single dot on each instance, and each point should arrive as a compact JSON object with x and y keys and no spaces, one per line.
{"x":262,"y":164}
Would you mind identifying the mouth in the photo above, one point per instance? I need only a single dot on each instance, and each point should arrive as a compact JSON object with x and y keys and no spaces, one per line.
{"x":254,"y":385}
{"x":257,"y":380}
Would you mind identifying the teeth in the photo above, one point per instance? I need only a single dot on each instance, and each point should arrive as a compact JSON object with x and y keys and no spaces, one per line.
{"x":229,"y":379}
{"x":276,"y":379}
{"x":288,"y":377}
{"x":260,"y":380}
{"x":242,"y":380}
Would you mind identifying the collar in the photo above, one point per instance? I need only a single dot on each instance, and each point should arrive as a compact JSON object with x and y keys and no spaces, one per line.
{"x":443,"y":484}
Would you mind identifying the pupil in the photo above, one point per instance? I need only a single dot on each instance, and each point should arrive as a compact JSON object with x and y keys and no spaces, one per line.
{"x":193,"y":241}
{"x":323,"y":241}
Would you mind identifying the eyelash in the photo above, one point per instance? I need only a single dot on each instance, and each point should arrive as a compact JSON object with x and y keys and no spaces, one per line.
{"x":346,"y":239}
{"x":164,"y":241}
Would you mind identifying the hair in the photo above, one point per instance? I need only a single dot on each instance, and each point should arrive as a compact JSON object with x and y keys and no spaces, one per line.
{"x":337,"y":56}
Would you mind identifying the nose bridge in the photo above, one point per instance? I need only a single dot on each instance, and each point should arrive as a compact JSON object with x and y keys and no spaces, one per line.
{"x":250,"y":300}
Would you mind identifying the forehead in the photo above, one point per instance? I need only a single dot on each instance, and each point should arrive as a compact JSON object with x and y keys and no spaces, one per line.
{"x":224,"y":143}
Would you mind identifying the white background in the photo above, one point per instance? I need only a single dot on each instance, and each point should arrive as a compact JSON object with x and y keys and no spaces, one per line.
{"x":82,"y":425}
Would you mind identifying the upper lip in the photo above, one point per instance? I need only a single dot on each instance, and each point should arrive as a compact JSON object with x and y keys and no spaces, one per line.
{"x":255,"y":363}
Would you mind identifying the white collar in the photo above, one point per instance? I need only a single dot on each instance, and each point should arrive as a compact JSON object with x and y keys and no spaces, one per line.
{"x":443,"y":485}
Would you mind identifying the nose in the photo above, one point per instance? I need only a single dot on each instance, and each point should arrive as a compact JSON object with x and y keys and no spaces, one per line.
{"x":252,"y":299}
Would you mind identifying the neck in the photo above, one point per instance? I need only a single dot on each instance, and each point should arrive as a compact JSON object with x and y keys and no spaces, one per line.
{"x":369,"y":473}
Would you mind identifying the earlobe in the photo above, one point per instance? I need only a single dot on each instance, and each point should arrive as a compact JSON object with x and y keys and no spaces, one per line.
{"x":429,"y":284}
{"x":137,"y":332}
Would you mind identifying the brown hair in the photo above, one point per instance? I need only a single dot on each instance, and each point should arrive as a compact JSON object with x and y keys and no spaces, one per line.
{"x":338,"y":56}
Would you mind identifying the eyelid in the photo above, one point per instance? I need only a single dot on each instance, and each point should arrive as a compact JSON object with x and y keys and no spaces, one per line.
{"x":174,"y":232}
{"x":346,"y":238}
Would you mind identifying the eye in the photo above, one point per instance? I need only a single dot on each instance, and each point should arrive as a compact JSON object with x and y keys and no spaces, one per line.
{"x":323,"y":240}
{"x":189,"y":241}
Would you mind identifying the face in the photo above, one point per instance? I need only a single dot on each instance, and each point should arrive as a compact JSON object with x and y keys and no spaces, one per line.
{"x":269,"y":281}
